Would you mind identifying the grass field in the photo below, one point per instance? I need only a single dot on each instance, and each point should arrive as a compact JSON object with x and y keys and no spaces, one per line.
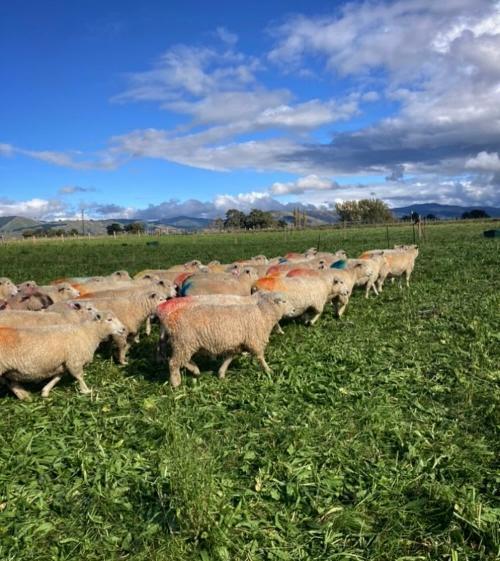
{"x":376,"y":436}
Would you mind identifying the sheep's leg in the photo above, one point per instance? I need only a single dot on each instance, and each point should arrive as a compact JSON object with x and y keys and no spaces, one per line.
{"x":224,"y":366}
{"x":315,"y":318}
{"x":408,"y":275}
{"x":17,"y":389}
{"x":180,"y":357}
{"x":137,"y":338}
{"x":121,"y":348}
{"x":278,"y":329}
{"x":262,"y":361}
{"x":46,"y":389}
{"x":148,"y":326}
{"x":161,"y":348}
{"x":341,"y":306}
{"x":77,"y":372}
{"x":191,"y":366}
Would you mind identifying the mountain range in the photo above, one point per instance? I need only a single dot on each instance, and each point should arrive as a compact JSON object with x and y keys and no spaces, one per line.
{"x":16,"y":225}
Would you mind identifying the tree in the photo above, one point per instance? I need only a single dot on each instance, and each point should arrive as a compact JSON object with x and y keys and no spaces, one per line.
{"x":218,"y":224}
{"x":282,"y":223}
{"x":135,"y":228}
{"x":114,"y":227}
{"x":348,"y":211}
{"x":364,"y":210}
{"x":73,"y":232}
{"x":258,"y":219}
{"x":431,"y":217}
{"x":475,"y":213}
{"x":234,"y":219}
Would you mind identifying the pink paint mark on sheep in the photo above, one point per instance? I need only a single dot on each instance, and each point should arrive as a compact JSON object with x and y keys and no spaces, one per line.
{"x":303,"y":273}
{"x":170,"y":310}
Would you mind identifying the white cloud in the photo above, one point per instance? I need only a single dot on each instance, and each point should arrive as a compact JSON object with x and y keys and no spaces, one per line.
{"x":226,"y":36}
{"x":308,"y":183}
{"x":33,"y":208}
{"x":484,"y":161}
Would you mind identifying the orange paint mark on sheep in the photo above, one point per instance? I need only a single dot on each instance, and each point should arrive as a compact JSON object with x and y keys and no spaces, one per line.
{"x":272,"y":284}
{"x":275,"y":271}
{"x":84,"y":293}
{"x":303,"y":273}
{"x":8,"y":336}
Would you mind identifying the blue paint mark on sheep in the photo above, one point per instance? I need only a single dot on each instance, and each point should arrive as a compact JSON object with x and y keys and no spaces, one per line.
{"x":185,"y":287}
{"x":282,"y":260}
{"x":340,"y":264}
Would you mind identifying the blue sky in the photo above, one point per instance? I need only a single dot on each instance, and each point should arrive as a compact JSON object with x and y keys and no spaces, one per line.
{"x":154,"y":109}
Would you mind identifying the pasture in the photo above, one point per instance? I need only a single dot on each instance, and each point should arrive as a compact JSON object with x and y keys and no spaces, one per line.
{"x":375,"y":437}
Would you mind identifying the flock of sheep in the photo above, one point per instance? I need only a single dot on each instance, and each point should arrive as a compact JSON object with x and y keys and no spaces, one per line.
{"x":219,"y":309}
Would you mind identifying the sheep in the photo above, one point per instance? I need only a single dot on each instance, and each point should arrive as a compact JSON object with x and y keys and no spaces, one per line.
{"x":42,"y":353}
{"x":117,"y":276}
{"x":33,"y":300}
{"x":189,"y":266}
{"x":221,"y":330}
{"x":24,"y":318}
{"x":367,"y":271}
{"x":199,"y":300}
{"x":132,"y":311}
{"x":219,"y":283}
{"x":347,"y":278}
{"x":308,"y":291}
{"x":60,"y":292}
{"x":397,"y":263}
{"x":7,"y":288}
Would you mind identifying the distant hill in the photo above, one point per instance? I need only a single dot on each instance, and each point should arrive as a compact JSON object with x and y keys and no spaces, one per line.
{"x":13,"y":224}
{"x":443,"y":211}
{"x":314,"y":218}
{"x":185,"y":222}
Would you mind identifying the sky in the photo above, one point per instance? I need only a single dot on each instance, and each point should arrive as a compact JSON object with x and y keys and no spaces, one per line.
{"x":157,"y":109}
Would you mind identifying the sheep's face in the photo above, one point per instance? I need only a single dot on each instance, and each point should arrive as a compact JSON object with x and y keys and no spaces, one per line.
{"x":249,"y":273}
{"x":7,"y":287}
{"x":339,"y":287}
{"x":121,"y":275}
{"x":113,"y":325}
{"x":84,"y":308}
{"x":67,"y":291}
{"x":27,"y":286}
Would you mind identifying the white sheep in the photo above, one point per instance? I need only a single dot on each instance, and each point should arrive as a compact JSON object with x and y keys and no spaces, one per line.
{"x":33,"y":354}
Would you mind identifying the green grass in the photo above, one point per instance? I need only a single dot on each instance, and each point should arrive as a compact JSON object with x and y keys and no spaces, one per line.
{"x":376,"y":437}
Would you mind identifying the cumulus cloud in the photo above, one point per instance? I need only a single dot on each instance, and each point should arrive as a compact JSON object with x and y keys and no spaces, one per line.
{"x":35,"y":208}
{"x":484,"y":161}
{"x":309,"y":183}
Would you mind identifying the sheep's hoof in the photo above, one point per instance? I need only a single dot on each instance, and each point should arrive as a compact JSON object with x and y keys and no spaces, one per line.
{"x":23,"y":395}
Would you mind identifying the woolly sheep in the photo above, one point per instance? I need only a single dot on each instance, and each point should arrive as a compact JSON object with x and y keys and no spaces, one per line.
{"x":42,"y":353}
{"x":132,"y":311}
{"x":7,"y":288}
{"x":221,"y":331}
